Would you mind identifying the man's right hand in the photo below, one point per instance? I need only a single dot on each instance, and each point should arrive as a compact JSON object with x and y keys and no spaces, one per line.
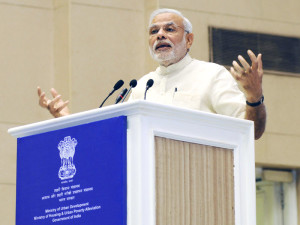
{"x":57,"y":107}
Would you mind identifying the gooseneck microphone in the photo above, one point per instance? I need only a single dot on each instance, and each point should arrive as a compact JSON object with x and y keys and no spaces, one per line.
{"x":148,"y":85}
{"x":132,"y":84}
{"x":116,"y":87}
{"x":121,"y":95}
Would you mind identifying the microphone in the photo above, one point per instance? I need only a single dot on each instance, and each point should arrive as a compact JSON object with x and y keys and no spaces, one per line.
{"x":116,"y":87}
{"x":132,"y":84}
{"x":121,"y":95}
{"x":148,"y":85}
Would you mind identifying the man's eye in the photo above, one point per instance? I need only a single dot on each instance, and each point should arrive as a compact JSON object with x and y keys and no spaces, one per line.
{"x":155,"y":31}
{"x":170,"y":29}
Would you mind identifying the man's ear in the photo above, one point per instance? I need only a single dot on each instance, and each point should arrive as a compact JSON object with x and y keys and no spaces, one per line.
{"x":189,"y":40}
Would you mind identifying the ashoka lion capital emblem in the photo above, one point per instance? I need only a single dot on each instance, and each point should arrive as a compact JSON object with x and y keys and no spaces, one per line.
{"x":66,"y":153}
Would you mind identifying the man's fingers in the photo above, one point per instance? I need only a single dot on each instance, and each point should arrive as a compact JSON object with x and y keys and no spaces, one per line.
{"x":53,"y":92}
{"x":244,"y":63}
{"x":259,"y":61}
{"x":253,"y":59}
{"x":237,"y":67}
{"x":234,"y":74}
{"x":51,"y":105}
{"x":43,"y":100}
{"x":62,"y":106}
{"x":39,"y":90}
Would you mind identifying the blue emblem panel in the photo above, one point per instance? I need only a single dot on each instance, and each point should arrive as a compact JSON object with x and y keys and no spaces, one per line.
{"x":74,"y":175}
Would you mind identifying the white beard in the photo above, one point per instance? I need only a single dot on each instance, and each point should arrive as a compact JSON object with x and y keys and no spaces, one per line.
{"x":169,"y":57}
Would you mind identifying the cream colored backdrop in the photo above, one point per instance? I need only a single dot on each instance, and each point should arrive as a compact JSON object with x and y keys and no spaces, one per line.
{"x":82,"y":47}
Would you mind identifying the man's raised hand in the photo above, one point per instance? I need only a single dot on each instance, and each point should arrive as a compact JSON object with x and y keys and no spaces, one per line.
{"x":56,"y":106}
{"x":249,"y":77}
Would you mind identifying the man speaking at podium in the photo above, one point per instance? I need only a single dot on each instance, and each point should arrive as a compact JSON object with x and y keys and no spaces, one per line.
{"x":182,"y":81}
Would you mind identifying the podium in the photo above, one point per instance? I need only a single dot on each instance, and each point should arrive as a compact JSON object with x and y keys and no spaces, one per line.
{"x":165,"y":165}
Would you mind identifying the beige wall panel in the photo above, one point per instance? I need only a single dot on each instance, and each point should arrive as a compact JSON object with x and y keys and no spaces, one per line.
{"x":47,"y":4}
{"x":62,"y":47}
{"x":107,"y":45}
{"x":281,"y":151}
{"x":266,"y":10}
{"x":25,"y":61}
{"x":60,"y":3}
{"x":239,"y":8}
{"x":278,"y":10}
{"x":128,"y":4}
{"x":255,"y":25}
{"x":281,"y":98}
{"x":8,"y":155}
{"x":7,"y":204}
{"x":261,"y":149}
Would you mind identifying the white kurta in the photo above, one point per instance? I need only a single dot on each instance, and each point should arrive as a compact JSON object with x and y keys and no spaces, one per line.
{"x":194,"y":84}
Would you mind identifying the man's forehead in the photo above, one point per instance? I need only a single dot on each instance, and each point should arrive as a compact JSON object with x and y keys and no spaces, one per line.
{"x":166,"y":18}
{"x":162,"y":24}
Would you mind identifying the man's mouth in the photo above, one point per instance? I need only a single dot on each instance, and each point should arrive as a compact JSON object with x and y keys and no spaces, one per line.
{"x":162,"y":46}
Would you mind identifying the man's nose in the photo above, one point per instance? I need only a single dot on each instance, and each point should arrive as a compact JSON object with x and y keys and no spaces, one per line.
{"x":161,"y":34}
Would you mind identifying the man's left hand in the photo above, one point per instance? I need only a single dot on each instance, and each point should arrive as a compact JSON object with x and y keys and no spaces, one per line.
{"x":249,"y":77}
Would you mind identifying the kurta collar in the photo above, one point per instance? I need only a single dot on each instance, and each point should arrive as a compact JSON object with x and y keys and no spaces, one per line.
{"x":162,"y":70}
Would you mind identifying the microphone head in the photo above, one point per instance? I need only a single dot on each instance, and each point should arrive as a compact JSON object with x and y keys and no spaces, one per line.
{"x":150,"y":83}
{"x":133,"y":83}
{"x":118,"y":85}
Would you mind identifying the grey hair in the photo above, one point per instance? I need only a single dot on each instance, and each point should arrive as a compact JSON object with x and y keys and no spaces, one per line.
{"x":186,"y":23}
